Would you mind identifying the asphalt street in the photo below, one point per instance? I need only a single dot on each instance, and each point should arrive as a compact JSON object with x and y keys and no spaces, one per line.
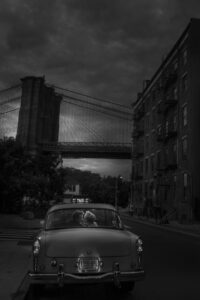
{"x":171,"y":262}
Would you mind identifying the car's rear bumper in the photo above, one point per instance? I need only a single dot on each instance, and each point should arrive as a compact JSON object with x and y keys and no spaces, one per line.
{"x":65,"y":278}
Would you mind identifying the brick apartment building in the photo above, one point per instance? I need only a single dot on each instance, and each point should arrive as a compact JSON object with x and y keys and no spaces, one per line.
{"x":166,"y":137}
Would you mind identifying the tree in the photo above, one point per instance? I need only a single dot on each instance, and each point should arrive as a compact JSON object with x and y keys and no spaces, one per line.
{"x":23,"y":174}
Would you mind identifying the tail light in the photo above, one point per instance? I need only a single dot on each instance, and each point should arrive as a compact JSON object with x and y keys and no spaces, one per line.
{"x":36,"y":247}
{"x":139,"y":246}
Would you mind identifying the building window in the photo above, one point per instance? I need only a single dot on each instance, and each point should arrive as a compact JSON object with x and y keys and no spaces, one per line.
{"x":147,"y":122}
{"x":153,"y":95}
{"x":157,"y":88}
{"x":166,"y":155}
{"x":175,"y":179}
{"x":153,"y":118}
{"x":159,"y":130}
{"x":184,"y":82}
{"x":146,"y":165}
{"x":175,"y":148}
{"x":159,"y":108}
{"x":136,"y":169}
{"x":158,"y":160}
{"x":184,"y":147}
{"x":153,"y":140}
{"x":152,"y":163}
{"x":160,"y":83}
{"x":176,"y":65}
{"x":175,"y":153}
{"x":147,"y":143}
{"x":185,"y":115}
{"x":175,"y":122}
{"x":133,"y":172}
{"x":185,"y":56}
{"x":146,"y":189}
{"x":166,"y":128}
{"x":175,"y":93}
{"x":185,"y":186}
{"x":147,"y":104}
{"x":168,"y":96}
{"x":150,"y":100}
{"x":174,"y":191}
{"x":150,"y":141}
{"x":141,"y":167}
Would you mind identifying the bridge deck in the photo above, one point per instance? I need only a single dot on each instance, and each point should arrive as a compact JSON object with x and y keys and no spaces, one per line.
{"x":89,"y":150}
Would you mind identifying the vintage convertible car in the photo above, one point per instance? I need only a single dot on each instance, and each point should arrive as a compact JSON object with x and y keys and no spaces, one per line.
{"x":86,"y":243}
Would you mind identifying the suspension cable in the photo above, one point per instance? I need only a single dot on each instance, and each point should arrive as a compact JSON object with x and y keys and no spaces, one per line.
{"x":10,"y":88}
{"x":97,"y":105}
{"x":89,"y":96}
{"x":10,"y":100}
{"x":8,"y":111}
{"x":106,"y":113}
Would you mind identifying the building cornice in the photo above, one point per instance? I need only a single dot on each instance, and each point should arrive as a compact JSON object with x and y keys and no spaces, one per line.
{"x":165,"y":62}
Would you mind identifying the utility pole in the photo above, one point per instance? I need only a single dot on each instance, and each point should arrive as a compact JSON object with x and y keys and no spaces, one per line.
{"x":131,"y":199}
{"x":117,"y":190}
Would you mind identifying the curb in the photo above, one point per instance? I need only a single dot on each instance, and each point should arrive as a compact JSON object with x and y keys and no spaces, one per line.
{"x":22,"y":290}
{"x":23,"y":287}
{"x":162,"y":227}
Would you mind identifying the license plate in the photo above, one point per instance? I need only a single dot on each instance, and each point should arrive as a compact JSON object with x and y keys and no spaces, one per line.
{"x":88,"y":264}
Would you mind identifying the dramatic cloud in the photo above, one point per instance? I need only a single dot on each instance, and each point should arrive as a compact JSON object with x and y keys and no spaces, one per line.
{"x":101,"y":47}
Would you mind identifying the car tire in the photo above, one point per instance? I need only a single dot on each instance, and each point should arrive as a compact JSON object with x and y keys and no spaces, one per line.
{"x":127,"y":287}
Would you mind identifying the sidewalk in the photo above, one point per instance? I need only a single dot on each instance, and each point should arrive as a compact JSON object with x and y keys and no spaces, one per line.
{"x":14,"y":264}
{"x":192,"y":230}
{"x":17,"y":222}
{"x":15,"y":259}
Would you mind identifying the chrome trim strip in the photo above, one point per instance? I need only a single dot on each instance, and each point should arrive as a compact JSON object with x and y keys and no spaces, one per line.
{"x":139,"y":273}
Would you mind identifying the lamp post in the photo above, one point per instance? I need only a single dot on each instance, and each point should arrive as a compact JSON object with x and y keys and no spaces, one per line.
{"x":117,"y":190}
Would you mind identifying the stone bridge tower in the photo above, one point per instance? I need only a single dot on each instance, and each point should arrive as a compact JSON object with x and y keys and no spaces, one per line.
{"x":39,"y":114}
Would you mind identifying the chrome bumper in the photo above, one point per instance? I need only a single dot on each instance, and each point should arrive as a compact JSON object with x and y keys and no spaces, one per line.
{"x":65,"y":278}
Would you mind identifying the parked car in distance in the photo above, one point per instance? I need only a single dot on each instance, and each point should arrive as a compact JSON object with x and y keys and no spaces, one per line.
{"x":86,"y":243}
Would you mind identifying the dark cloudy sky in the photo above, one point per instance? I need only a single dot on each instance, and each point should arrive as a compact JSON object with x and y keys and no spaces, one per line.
{"x":101,"y":47}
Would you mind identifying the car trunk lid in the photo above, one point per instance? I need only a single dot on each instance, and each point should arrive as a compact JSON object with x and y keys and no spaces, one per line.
{"x":73,"y":242}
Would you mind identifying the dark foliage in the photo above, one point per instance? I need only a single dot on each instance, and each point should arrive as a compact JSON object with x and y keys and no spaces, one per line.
{"x":24,"y":175}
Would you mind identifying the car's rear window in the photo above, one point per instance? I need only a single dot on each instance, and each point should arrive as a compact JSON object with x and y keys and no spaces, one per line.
{"x":69,"y":218}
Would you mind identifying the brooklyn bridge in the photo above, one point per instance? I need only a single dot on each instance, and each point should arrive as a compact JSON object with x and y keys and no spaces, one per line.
{"x":45,"y":117}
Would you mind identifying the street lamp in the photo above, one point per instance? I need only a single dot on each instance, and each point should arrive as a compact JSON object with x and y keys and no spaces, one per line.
{"x":117,"y":190}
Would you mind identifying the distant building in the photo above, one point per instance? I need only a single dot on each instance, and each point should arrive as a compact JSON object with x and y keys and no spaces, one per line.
{"x":166,"y":137}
